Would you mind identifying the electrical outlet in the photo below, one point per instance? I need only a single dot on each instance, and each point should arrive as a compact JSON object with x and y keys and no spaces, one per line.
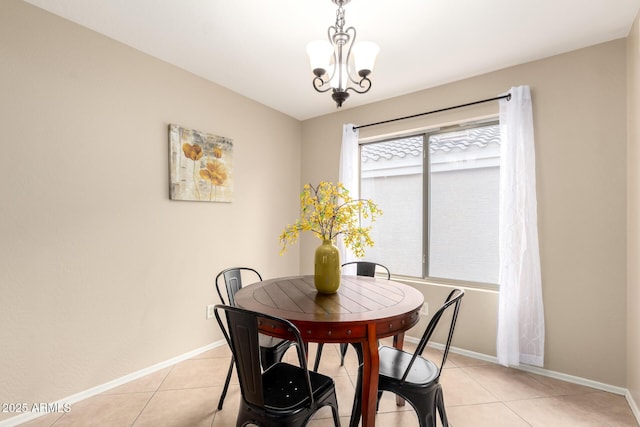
{"x":424,"y":310}
{"x":210,"y":312}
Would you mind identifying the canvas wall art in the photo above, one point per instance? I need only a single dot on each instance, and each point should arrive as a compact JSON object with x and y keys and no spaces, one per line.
{"x":201,"y":165}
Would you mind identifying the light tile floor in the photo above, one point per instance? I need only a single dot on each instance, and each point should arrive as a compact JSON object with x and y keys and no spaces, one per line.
{"x":476,"y":394}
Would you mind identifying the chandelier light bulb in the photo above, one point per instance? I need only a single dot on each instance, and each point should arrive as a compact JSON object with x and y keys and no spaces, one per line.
{"x":340,"y":79}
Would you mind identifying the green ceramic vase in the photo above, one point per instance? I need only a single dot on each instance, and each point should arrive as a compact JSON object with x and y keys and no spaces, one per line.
{"x":327,"y":268}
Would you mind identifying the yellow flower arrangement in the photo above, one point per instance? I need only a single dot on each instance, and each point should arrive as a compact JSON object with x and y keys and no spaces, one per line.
{"x":328,"y":211}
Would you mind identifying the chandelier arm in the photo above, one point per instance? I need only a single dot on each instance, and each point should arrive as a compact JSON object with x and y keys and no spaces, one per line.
{"x":348,"y":61}
{"x":318,"y":83}
{"x":331,"y":31}
{"x":364,"y":83}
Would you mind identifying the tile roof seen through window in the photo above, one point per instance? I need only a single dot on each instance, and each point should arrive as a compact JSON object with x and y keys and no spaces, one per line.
{"x":461,"y":140}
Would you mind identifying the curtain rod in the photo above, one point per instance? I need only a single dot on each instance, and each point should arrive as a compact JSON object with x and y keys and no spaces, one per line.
{"x":507,"y":96}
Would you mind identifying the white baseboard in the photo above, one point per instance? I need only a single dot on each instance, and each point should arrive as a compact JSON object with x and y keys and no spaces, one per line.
{"x":70,"y":400}
{"x":552,"y":374}
{"x":535,"y":370}
{"x":633,"y":405}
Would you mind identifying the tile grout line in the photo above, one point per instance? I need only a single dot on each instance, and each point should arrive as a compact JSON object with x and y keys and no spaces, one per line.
{"x":152,"y":396}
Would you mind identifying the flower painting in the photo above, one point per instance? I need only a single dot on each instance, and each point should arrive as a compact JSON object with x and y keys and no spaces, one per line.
{"x":201,"y":165}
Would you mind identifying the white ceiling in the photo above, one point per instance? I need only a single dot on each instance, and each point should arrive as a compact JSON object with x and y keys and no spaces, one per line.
{"x":257,"y":47}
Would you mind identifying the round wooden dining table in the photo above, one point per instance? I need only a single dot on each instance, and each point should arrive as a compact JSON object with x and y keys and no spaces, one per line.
{"x":363,"y":310}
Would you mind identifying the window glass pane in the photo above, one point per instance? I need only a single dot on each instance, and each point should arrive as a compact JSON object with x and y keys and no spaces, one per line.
{"x":391,"y":175}
{"x":463,"y":191}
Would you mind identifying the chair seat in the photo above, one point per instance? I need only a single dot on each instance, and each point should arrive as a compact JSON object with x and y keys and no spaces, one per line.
{"x":394,"y":362}
{"x":285,"y":386}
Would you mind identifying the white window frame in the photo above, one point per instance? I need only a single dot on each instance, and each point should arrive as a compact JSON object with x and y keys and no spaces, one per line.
{"x":426,"y":133}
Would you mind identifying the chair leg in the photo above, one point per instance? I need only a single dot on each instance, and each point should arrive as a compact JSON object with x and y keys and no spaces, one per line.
{"x":440,"y":407}
{"x":343,"y":352}
{"x":226,"y":385}
{"x":426,"y":407}
{"x":356,"y":409}
{"x":334,"y":411}
{"x":318,"y":356}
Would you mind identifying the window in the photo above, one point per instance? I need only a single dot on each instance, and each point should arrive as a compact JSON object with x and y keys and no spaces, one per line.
{"x":440,"y":205}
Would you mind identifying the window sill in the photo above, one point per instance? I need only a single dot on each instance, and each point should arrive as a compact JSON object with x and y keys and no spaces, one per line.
{"x":482,"y":287}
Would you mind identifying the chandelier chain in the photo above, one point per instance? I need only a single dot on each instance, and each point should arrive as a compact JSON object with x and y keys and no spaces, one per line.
{"x":340,"y":18}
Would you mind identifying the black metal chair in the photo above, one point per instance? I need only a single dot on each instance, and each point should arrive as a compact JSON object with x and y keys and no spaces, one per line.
{"x":271,"y":349}
{"x":366,"y":268}
{"x":363,"y":268}
{"x":415,"y":378}
{"x":283,"y":394}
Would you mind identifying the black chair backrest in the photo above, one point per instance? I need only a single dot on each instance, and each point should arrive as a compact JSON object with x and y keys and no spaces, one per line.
{"x":452,"y":303}
{"x":366,"y":268}
{"x":241,"y":333}
{"x":232,"y":282}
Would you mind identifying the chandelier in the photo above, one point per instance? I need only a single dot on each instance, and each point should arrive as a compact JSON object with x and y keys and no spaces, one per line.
{"x":332,"y":64}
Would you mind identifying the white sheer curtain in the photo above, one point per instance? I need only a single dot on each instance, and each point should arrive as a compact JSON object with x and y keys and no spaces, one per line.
{"x":349,"y":175}
{"x":520,"y":311}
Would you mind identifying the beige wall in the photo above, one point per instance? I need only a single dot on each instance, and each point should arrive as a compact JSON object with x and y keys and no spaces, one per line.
{"x":580,"y":130}
{"x":633,"y":213}
{"x":101,"y":274}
